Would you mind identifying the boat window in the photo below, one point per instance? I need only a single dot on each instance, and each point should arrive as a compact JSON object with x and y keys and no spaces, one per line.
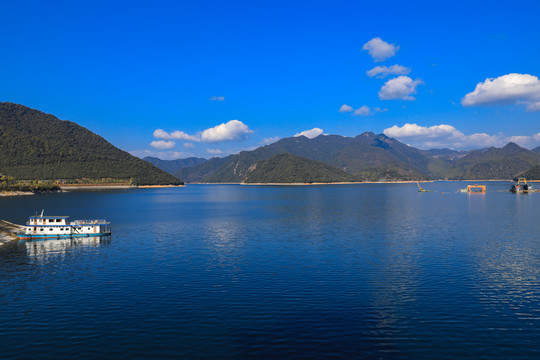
{"x":58,"y":220}
{"x":40,"y":229}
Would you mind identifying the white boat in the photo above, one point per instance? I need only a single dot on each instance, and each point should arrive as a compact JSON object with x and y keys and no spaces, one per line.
{"x":46,"y":227}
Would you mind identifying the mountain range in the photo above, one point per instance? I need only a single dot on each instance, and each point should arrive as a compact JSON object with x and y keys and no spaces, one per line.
{"x":370,"y":157}
{"x":35,"y":145}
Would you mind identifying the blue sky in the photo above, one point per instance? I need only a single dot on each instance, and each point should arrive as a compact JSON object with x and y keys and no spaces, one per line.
{"x":209,"y":78}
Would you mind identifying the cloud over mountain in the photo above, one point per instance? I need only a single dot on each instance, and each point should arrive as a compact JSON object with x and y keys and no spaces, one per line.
{"x":442,"y":136}
{"x":233,"y":130}
{"x":310,"y":134}
{"x":162,"y":144}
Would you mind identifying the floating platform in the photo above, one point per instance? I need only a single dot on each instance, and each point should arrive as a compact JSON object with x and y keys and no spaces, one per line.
{"x":521,"y":186}
{"x":474,"y":189}
{"x":9,"y":231}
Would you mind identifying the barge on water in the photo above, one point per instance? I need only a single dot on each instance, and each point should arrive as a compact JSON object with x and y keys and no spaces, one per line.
{"x":474,"y":189}
{"x":50,"y":227}
{"x":521,"y":186}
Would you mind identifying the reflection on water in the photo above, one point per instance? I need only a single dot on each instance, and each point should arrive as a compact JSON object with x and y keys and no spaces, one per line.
{"x":359,"y":271}
{"x":44,"y":250}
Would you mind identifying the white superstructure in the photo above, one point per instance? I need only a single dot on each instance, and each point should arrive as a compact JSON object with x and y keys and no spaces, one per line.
{"x":40,"y":226}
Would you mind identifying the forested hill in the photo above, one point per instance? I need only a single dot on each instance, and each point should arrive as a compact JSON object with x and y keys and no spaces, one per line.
{"x":289,"y":168}
{"x":371,"y":157}
{"x":172,"y":166}
{"x":35,"y":145}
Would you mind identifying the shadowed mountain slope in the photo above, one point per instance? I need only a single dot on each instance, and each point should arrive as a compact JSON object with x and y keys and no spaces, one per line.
{"x":35,"y":145}
{"x":494,"y":163}
{"x":368,"y":155}
{"x":172,"y":166}
{"x":288,"y":168}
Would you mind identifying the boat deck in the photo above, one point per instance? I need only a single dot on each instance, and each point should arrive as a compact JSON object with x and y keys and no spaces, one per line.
{"x":9,"y":231}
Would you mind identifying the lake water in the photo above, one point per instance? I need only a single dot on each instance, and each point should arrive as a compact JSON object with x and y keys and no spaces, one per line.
{"x":248,"y":272}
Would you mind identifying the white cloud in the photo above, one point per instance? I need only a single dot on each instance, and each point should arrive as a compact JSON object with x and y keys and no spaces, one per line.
{"x":180,"y":135}
{"x":526,"y":141}
{"x":176,"y":135}
{"x":379,"y":49}
{"x":383,"y":71}
{"x":189,"y":145}
{"x":214,"y":151}
{"x":269,"y":140}
{"x":164,"y":155}
{"x":217,"y":98}
{"x":162,"y":144}
{"x":363,"y":111}
{"x":443,"y":136}
{"x":400,"y":88}
{"x":233,"y":130}
{"x":310,"y":134}
{"x":161,"y":134}
{"x":507,"y":89}
{"x":345,"y":108}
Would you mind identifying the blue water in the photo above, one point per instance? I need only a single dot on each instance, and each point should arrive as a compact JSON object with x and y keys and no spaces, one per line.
{"x":266,"y":272}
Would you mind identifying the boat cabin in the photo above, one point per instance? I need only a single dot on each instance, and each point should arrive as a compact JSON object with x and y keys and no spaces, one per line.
{"x":40,"y":226}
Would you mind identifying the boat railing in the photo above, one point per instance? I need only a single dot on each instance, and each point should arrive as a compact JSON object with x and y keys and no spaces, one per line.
{"x":88,"y":222}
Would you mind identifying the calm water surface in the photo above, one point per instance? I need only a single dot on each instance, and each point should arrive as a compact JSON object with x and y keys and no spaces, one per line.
{"x":229,"y":271}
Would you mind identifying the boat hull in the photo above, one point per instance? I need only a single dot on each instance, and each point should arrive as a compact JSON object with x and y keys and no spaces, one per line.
{"x":58,"y":236}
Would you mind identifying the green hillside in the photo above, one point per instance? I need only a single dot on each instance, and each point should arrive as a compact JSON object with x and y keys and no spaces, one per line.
{"x":532,"y":174}
{"x":199,"y":173}
{"x":288,"y":168}
{"x":35,"y":145}
{"x":172,"y":166}
{"x":493,"y":163}
{"x":372,"y":157}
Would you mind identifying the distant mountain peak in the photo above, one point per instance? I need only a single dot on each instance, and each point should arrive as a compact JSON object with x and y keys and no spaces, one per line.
{"x":366,"y":134}
{"x":512,"y":146}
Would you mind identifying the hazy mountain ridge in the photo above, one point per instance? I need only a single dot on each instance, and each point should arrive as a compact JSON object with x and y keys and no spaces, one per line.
{"x":494,"y":163}
{"x":172,"y":166}
{"x":367,"y":156}
{"x":371,"y":157}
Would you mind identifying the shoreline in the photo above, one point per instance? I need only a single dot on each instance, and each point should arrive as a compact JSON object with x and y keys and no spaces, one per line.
{"x":158,"y":186}
{"x":95,"y":187}
{"x":331,"y":183}
{"x":67,"y":188}
{"x":16,"y":193}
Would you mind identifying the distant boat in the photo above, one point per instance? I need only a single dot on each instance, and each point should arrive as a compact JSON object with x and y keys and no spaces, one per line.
{"x":46,"y":227}
{"x":521,"y":186}
{"x":420,"y":189}
{"x":474,"y":189}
